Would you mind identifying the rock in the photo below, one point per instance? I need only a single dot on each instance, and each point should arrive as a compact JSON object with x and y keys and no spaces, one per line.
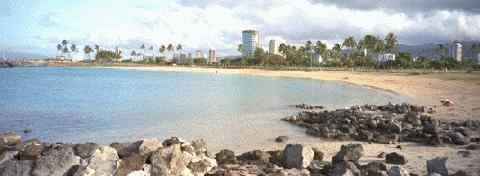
{"x":319,"y":167}
{"x":86,"y":150}
{"x":297,"y":156}
{"x":202,"y":166}
{"x":318,"y":155}
{"x":10,"y":139}
{"x":276,"y":157}
{"x":8,"y":155}
{"x":125,"y":150}
{"x":144,"y":172}
{"x":386,"y":138}
{"x":14,"y":167}
{"x":170,"y":161}
{"x":446,"y":102}
{"x":281,"y":139}
{"x":397,"y":171}
{"x":464,"y":153}
{"x":134,"y":162}
{"x":225,"y":157}
{"x":374,"y":168}
{"x":30,"y":150}
{"x":55,"y":160}
{"x":458,"y":138}
{"x":437,"y":165}
{"x":345,"y":168}
{"x":257,"y":156}
{"x":104,"y":161}
{"x":200,"y":146}
{"x":350,"y":152}
{"x":172,"y":141}
{"x":291,"y":172}
{"x":395,"y":158}
{"x":150,"y":145}
{"x":473,"y":147}
{"x":381,"y":155}
{"x":460,"y":173}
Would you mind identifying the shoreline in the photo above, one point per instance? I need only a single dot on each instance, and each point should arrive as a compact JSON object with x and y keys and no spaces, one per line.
{"x":461,"y":88}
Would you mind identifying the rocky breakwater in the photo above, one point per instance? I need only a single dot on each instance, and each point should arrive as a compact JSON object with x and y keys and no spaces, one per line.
{"x":176,"y":157}
{"x":387,"y":124}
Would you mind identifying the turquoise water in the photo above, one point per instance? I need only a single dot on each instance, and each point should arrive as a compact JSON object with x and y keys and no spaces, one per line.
{"x":107,"y":105}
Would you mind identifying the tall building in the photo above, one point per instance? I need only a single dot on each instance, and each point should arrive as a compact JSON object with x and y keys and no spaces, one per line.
{"x":456,"y":51}
{"x":273,"y":47}
{"x":212,"y":57}
{"x":250,"y":42}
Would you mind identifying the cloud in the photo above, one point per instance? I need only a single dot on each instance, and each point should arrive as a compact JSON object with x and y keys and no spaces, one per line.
{"x":48,"y":20}
{"x":406,"y":5}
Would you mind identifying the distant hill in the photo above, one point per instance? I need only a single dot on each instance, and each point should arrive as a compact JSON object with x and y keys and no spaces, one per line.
{"x":14,"y":55}
{"x":430,"y":50}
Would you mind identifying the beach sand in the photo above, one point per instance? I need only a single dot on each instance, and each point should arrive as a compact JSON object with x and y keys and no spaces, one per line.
{"x":461,"y":88}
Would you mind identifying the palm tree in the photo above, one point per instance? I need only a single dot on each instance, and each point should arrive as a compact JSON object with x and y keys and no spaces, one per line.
{"x":143,"y":48}
{"x":379,"y":46}
{"x":240,"y":48}
{"x":162,"y":50}
{"x":59,"y":49}
{"x":153,"y":53}
{"x":87,"y":50}
{"x":133,"y":54}
{"x":369,"y":42}
{"x":282,"y":48}
{"x":64,"y":43}
{"x":349,"y":43}
{"x":179,"y":48}
{"x":65,"y":50}
{"x":170,"y":48}
{"x":391,"y":42}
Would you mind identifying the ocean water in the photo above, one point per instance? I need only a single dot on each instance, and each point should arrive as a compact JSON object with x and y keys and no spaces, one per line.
{"x":75,"y":105}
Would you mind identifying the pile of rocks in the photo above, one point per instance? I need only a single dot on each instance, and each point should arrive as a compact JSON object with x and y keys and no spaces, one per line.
{"x":176,"y":157}
{"x":387,"y":124}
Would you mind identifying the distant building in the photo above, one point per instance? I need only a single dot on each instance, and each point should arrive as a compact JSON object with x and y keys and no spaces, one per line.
{"x":456,"y":51}
{"x":383,"y":58}
{"x":250,"y":42}
{"x":199,"y":54}
{"x":212,"y":57}
{"x":183,"y":59}
{"x":273,"y":46}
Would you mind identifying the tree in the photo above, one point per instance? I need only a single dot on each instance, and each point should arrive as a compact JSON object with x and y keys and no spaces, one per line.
{"x":59,"y":49}
{"x":87,"y":50}
{"x":369,"y":42}
{"x":442,"y":50}
{"x":133,"y":54}
{"x":153,"y":53}
{"x":170,"y":48}
{"x":162,"y":49}
{"x":379,"y":47}
{"x":240,"y":48}
{"x":391,"y":42}
{"x":142,"y":47}
{"x":64,"y":43}
{"x":320,"y":48}
{"x":349,"y":43}
{"x":97,"y":48}
{"x":179,"y":47}
{"x":260,"y":56}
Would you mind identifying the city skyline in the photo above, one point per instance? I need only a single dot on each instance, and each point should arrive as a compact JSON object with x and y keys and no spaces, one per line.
{"x":36,"y":27}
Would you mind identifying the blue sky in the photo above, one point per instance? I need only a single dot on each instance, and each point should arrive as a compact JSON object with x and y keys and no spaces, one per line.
{"x":36,"y":26}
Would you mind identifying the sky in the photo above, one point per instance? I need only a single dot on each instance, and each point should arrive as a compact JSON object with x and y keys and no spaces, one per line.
{"x":37,"y":26}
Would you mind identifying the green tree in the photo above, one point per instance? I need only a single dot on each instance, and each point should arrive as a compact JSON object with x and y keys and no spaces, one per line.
{"x":59,"y":49}
{"x":162,"y":49}
{"x":369,"y":42}
{"x":87,"y":50}
{"x":349,"y":43}
{"x":240,"y":48}
{"x":260,"y":56}
{"x":391,"y":42}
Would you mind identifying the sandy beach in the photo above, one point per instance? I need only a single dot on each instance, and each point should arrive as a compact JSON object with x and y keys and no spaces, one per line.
{"x":424,"y":89}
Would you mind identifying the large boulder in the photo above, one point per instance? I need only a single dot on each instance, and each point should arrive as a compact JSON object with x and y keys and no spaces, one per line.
{"x":256,"y":156}
{"x":395,"y":158}
{"x":145,"y":171}
{"x":149,"y":145}
{"x":437,"y":165}
{"x":56,"y":160}
{"x":200,"y":167}
{"x":30,"y":150}
{"x":10,"y":139}
{"x":374,"y":168}
{"x":170,"y":161}
{"x":297,"y":156}
{"x":134,"y":162}
{"x":225,"y":157}
{"x":104,"y":161}
{"x":397,"y":171}
{"x":350,"y":152}
{"x":458,"y":138}
{"x":318,"y":154}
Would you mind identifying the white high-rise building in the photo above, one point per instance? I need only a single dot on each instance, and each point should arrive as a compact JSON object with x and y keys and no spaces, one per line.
{"x":273,"y":46}
{"x":250,"y":42}
{"x":212,"y":57}
{"x":456,"y":51}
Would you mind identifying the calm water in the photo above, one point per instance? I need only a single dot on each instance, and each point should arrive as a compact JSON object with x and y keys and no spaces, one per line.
{"x":107,"y":105}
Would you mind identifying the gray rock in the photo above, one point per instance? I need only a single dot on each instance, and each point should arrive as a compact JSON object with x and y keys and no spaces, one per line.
{"x":14,"y":167}
{"x":374,"y":168}
{"x":281,"y":139}
{"x":134,"y":162}
{"x":297,"y":156}
{"x":345,"y":168}
{"x":458,"y":138}
{"x":56,"y":160}
{"x":30,"y":150}
{"x":256,"y":156}
{"x":350,"y":152}
{"x":8,"y":155}
{"x":10,"y":139}
{"x":104,"y":161}
{"x":395,"y":158}
{"x":397,"y":171}
{"x":150,"y":145}
{"x":143,"y":172}
{"x":172,"y":141}
{"x":85,"y":150}
{"x":200,"y":147}
{"x":225,"y":157}
{"x":437,"y":165}
{"x":201,"y":167}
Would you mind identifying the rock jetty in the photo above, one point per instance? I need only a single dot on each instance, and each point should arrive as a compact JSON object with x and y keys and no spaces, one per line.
{"x":387,"y":124}
{"x":177,"y":157}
